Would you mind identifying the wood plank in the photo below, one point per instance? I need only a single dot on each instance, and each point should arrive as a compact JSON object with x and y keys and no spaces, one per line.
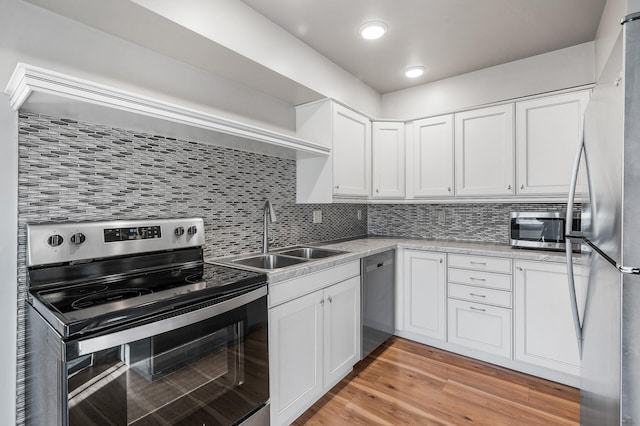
{"x":404,"y":382}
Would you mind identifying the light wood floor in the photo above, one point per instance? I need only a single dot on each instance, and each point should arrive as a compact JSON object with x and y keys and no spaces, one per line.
{"x":404,"y":382}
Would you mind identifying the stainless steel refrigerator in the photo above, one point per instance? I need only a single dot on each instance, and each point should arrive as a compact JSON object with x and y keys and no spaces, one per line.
{"x":609,"y":331}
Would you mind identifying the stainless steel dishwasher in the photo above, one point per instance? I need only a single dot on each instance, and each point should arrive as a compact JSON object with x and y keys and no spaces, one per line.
{"x":378,"y":300}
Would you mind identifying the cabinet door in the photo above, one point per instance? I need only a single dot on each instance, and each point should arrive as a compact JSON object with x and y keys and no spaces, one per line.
{"x":547,"y":138}
{"x":341,"y":330}
{"x":482,"y":327}
{"x":424,"y":293}
{"x":544,"y":330}
{"x":432,"y":157}
{"x":388,"y":160}
{"x":351,"y":153}
{"x":295,"y":356}
{"x":484,"y":146}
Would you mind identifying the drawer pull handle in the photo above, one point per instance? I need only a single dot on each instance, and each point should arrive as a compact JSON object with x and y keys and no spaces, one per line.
{"x":477,"y":279}
{"x":477,"y":295}
{"x":477,"y":309}
{"x":477,"y":263}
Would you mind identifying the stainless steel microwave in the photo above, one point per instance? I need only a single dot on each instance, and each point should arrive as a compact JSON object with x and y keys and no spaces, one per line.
{"x":541,"y":230}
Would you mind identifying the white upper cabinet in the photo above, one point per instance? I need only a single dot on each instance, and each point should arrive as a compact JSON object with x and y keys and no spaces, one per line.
{"x":431,"y":157}
{"x":351,"y":153}
{"x":484,"y":149}
{"x":388,"y":160}
{"x":546,"y":141}
{"x":347,"y":171}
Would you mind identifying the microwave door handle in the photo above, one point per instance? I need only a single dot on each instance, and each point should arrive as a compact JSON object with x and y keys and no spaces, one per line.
{"x":568,"y":236}
{"x":99,"y":343}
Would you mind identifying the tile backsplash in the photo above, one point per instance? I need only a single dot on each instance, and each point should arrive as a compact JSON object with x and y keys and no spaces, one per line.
{"x":456,"y":222}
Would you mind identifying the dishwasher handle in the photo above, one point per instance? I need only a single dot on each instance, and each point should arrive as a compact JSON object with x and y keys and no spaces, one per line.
{"x":375,"y":265}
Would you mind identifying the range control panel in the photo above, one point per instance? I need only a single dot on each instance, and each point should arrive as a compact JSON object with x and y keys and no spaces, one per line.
{"x":128,"y":234}
{"x":82,"y":241}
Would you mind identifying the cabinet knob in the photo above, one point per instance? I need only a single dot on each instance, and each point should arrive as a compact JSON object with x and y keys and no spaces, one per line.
{"x":337,"y":186}
{"x":377,"y":191}
{"x":448,"y":189}
{"x":321,"y":302}
{"x":522,"y":186}
{"x":519,"y":268}
{"x":508,"y":186}
{"x":440,"y":260}
{"x":329,"y":299}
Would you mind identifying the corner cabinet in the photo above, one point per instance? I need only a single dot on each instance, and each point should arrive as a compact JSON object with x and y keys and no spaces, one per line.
{"x":431,"y":157}
{"x":484,"y":149}
{"x":424,"y":296}
{"x":544,"y":330}
{"x":388,"y":143}
{"x":314,"y":337}
{"x":547,"y":136}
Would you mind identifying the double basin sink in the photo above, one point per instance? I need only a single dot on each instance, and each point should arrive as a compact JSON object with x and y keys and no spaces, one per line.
{"x":286,"y":257}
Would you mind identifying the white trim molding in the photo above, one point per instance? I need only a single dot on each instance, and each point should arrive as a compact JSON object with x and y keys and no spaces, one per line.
{"x":45,"y":91}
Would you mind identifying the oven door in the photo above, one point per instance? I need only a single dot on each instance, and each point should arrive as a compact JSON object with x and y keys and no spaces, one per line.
{"x":206,"y":366}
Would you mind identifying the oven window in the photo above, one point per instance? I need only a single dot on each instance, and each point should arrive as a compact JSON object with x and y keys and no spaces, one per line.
{"x":209,"y":373}
{"x":537,"y":229}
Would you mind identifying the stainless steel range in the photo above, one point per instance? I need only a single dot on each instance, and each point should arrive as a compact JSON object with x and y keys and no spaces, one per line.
{"x":128,"y":326}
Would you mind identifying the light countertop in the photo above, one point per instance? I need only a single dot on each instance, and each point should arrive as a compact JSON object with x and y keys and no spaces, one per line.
{"x":366,"y":246}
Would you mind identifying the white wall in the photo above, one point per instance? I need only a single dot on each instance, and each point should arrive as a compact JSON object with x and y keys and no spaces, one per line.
{"x":8,"y":259}
{"x":261,"y":40}
{"x":610,"y":28}
{"x":573,"y":66}
{"x":608,"y":31}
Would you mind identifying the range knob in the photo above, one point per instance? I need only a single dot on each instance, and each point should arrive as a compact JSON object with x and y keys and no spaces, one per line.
{"x":192,"y":230}
{"x":55,"y":240}
{"x":179,"y":231}
{"x":78,"y":238}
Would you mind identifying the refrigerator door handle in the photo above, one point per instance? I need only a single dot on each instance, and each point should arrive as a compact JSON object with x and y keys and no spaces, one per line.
{"x":632,"y":270}
{"x":568,"y":247}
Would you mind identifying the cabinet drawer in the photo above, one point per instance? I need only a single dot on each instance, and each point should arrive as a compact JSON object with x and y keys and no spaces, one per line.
{"x":283,"y":291}
{"x":480,"y":279}
{"x":481,"y":327}
{"x":480,"y":263}
{"x":480,"y":295}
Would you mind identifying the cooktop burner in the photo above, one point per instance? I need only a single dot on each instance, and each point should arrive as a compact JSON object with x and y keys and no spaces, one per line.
{"x":109,"y":296}
{"x":90,"y":306}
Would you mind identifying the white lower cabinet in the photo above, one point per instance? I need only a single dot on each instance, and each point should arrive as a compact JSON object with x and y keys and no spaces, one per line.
{"x":544,"y":330}
{"x":478,"y":326}
{"x":424,"y":293}
{"x":479,"y":304}
{"x":314,"y":341}
{"x":341,"y":330}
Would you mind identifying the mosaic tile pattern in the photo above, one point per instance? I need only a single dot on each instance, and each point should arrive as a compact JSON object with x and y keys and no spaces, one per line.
{"x":462,"y":222}
{"x":72,"y":171}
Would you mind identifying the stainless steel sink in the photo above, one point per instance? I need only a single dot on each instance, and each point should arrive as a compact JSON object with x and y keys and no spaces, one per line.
{"x":311,"y":252}
{"x":268,"y":261}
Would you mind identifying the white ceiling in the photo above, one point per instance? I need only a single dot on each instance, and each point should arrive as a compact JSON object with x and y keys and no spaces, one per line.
{"x":449,"y":37}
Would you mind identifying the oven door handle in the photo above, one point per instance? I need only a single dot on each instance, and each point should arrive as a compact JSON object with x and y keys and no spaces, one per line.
{"x":99,"y":343}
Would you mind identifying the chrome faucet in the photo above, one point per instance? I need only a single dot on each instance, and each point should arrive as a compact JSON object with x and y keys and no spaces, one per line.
{"x":268,"y":213}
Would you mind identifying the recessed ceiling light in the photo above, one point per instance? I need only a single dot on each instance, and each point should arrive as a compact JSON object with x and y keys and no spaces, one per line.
{"x":372,"y":30}
{"x":416,"y":71}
